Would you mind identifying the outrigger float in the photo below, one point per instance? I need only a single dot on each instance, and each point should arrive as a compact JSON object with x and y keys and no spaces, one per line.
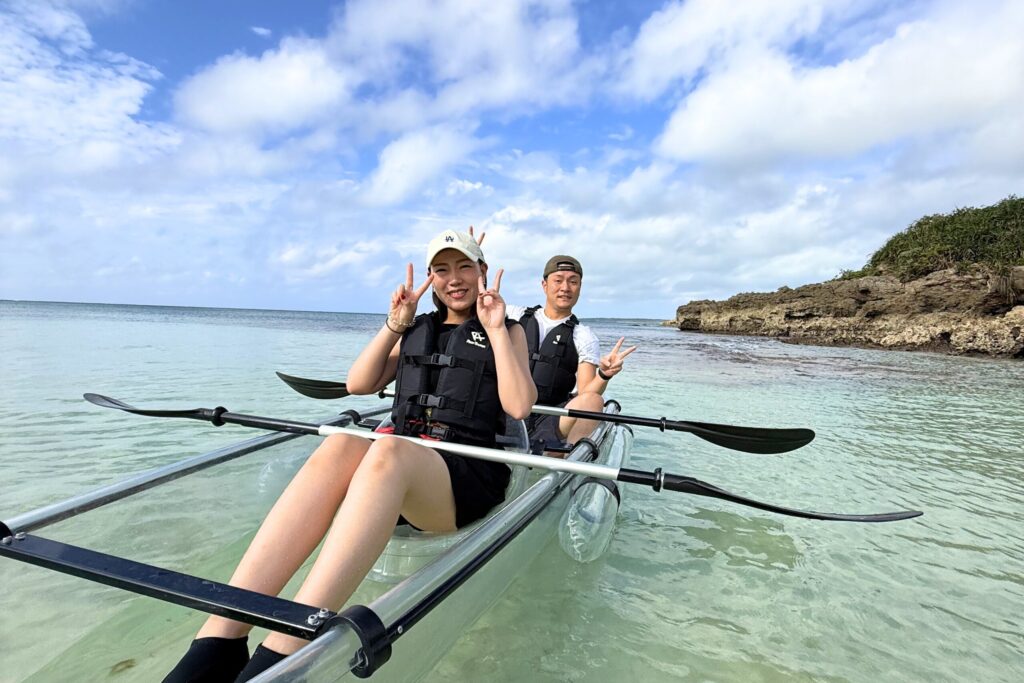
{"x":467,"y":569}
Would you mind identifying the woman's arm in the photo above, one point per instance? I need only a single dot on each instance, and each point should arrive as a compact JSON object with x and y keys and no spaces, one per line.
{"x":516,"y":389}
{"x":377,"y":364}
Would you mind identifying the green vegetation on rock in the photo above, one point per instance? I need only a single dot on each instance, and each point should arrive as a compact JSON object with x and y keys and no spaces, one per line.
{"x":991,"y":237}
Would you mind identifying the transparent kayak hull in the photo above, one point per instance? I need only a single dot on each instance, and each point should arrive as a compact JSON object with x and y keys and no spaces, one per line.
{"x":491,"y":555}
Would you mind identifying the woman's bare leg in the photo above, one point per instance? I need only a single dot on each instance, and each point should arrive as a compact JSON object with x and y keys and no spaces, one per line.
{"x":395,"y":477}
{"x":294,"y":526}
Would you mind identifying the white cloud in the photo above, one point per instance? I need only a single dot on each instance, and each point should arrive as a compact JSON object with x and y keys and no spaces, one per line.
{"x":415,"y":159}
{"x":47,"y":20}
{"x":293,"y":86}
{"x":261,"y":31}
{"x":303,"y":261}
{"x":460,"y":187}
{"x":468,"y":56}
{"x":65,"y":107}
{"x":644,"y":185}
{"x":683,"y":39}
{"x":625,"y":134}
{"x":943,"y":74}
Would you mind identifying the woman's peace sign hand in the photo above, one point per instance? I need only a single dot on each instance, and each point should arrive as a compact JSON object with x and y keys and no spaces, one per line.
{"x":611,"y":364}
{"x":490,"y":307}
{"x":405,"y":299}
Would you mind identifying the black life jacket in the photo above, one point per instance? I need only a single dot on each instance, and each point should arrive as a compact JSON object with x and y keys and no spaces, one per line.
{"x":449,"y":393}
{"x":553,"y":360}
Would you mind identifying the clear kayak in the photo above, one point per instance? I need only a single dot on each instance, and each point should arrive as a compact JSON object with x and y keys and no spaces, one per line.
{"x":445,"y":581}
{"x":391,"y":631}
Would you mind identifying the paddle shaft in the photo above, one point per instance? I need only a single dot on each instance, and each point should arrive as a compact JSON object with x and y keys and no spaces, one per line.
{"x":656,"y":479}
{"x":661,"y":423}
{"x":478,"y":452}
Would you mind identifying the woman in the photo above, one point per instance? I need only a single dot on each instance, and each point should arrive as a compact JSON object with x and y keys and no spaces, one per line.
{"x":353,"y":489}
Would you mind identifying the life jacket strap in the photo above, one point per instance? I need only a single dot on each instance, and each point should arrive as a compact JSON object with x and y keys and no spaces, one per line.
{"x":442,"y":402}
{"x":430,"y":430}
{"x":441,"y":360}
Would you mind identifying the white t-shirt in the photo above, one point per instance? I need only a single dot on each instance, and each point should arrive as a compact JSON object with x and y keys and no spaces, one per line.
{"x":587,"y":346}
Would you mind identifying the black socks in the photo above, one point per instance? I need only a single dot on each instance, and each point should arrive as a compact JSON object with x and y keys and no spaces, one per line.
{"x":211,"y":660}
{"x":262,"y":659}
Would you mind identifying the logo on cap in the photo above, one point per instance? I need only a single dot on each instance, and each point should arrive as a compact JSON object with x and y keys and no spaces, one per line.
{"x":449,"y":238}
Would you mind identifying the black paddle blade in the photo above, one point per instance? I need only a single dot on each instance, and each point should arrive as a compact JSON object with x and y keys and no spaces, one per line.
{"x":748,"y":439}
{"x":107,"y":402}
{"x":701,"y":488}
{"x":315,"y":388}
{"x":117,"y":404}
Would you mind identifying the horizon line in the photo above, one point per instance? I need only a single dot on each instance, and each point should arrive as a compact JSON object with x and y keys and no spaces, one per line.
{"x":236,"y":308}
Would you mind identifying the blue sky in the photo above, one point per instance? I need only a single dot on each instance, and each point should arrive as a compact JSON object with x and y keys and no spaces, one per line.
{"x":297,"y":155}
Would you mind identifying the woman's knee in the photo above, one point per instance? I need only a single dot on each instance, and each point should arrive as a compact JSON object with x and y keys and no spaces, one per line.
{"x":385,"y":456}
{"x":337,"y":451}
{"x":395,"y":459}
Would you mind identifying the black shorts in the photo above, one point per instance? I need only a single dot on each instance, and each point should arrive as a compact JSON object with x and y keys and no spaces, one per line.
{"x":477,"y":485}
{"x":543,"y":430}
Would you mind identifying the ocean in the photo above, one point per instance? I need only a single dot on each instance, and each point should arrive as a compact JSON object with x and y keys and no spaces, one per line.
{"x":690,"y":589}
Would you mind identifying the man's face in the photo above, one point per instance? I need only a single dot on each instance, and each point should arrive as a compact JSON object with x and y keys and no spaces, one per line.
{"x":562,"y":289}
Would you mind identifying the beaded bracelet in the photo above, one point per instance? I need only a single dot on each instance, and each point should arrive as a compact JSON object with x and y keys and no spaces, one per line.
{"x":402,"y":327}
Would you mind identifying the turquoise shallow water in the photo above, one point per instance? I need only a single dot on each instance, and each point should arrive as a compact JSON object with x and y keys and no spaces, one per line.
{"x":691,"y":588}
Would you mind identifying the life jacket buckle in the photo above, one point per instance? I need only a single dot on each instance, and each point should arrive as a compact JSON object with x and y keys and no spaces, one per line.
{"x":437,"y":430}
{"x":442,"y":359}
{"x":432,"y":401}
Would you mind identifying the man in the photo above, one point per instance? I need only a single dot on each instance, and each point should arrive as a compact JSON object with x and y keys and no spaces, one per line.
{"x":564,"y":354}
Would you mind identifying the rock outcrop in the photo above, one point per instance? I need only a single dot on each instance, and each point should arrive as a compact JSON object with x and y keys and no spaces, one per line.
{"x":968,"y":312}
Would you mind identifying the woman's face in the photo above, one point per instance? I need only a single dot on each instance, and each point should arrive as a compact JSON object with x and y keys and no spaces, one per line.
{"x":456,"y":279}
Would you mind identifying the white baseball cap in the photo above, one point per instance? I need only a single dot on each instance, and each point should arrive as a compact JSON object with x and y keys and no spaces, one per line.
{"x":459,"y":241}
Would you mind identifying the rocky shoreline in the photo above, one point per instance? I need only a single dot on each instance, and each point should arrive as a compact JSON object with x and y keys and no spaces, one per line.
{"x":965,"y":312}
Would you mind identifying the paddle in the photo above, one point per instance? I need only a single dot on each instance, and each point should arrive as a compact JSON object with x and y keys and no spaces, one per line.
{"x":657,"y":480}
{"x":747,"y":439}
{"x":317,"y":388}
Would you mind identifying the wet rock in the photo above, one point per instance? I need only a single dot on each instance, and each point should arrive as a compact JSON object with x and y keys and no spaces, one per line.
{"x":961,"y":312}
